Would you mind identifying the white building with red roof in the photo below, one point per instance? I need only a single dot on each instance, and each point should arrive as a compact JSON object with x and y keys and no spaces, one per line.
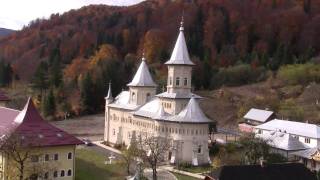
{"x":47,"y":146}
{"x":174,"y":113}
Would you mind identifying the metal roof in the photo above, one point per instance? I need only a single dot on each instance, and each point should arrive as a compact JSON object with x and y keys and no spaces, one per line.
{"x":192,"y":113}
{"x":292,"y":127}
{"x":258,"y":115}
{"x":308,"y":153}
{"x":282,"y":140}
{"x":34,"y":129}
{"x":122,"y":101}
{"x":3,"y":96}
{"x":177,"y":95}
{"x":180,"y":55}
{"x":142,"y":76}
{"x":153,"y":109}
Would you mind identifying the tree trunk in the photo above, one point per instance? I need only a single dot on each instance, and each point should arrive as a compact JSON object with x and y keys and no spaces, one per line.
{"x":154,"y":172}
{"x":21,"y":171}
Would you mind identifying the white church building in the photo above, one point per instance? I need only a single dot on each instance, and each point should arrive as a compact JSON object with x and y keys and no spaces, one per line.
{"x":175,"y":113}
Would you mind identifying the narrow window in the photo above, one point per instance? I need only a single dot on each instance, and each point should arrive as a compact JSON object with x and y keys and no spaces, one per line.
{"x":46,"y":175}
{"x":307,"y":140}
{"x":62,"y":173}
{"x":69,"y":155}
{"x":148,"y":96}
{"x":56,"y":157}
{"x":69,"y":172}
{"x":170,"y":80}
{"x":199,"y":149}
{"x":185,"y":81}
{"x":55,"y":174}
{"x":46,"y":157}
{"x":177,"y":81}
{"x":113,"y":131}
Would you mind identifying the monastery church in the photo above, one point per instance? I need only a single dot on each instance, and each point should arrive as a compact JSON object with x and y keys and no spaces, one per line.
{"x":139,"y":111}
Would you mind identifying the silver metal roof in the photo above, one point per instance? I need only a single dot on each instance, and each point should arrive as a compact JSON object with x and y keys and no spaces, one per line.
{"x":308,"y":153}
{"x":142,"y":76}
{"x":123,"y":101}
{"x":192,"y":113}
{"x":177,"y":95}
{"x":292,"y":127}
{"x":153,"y":109}
{"x":282,"y":140}
{"x":180,"y":55}
{"x":258,"y":115}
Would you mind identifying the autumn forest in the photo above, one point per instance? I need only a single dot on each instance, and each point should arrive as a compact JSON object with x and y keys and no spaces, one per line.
{"x":233,"y":42}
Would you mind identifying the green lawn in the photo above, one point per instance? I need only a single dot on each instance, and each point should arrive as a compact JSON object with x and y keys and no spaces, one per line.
{"x":90,"y":165}
{"x":197,"y":169}
{"x":183,"y":177}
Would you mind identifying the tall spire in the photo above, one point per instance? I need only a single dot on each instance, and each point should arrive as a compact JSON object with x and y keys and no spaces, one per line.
{"x":109,"y":96}
{"x":142,"y":76}
{"x":180,"y":55}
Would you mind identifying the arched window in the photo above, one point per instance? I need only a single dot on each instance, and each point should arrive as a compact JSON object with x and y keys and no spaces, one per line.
{"x":185,"y":81}
{"x":69,"y":172}
{"x":133,"y":96}
{"x":177,"y":81}
{"x":62,"y":173}
{"x":69,"y":155}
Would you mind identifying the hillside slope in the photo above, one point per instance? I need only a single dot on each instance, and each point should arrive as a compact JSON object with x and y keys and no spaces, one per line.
{"x":219,"y":32}
{"x":5,"y":32}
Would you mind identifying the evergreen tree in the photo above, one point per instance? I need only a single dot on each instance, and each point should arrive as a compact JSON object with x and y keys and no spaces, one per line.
{"x":5,"y":74}
{"x":40,"y":78}
{"x":49,"y":104}
{"x":87,"y":94}
{"x":55,"y":74}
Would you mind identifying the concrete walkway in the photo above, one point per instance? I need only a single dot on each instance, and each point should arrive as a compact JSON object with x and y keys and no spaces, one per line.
{"x":171,"y":169}
{"x":162,"y":174}
{"x":99,"y":143}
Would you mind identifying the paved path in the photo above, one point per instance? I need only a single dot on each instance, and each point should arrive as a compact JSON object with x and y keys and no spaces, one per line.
{"x":162,"y":174}
{"x":171,"y":169}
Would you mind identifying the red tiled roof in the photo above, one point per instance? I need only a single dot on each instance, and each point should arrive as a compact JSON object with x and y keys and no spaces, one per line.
{"x":3,"y":96}
{"x":35,"y":131}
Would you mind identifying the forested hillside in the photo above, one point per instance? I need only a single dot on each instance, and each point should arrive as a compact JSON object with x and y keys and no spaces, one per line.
{"x":233,"y":42}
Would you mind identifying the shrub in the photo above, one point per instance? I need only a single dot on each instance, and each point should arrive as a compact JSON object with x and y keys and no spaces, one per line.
{"x":238,"y":75}
{"x":299,"y":73}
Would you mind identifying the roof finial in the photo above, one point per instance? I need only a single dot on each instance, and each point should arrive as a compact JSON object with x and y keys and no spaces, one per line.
{"x":143,"y":55}
{"x":182,"y":21}
{"x":109,"y":96}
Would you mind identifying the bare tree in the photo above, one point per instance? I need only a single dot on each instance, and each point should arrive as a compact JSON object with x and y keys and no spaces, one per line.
{"x":22,"y":158}
{"x":153,"y":150}
{"x":129,"y":155}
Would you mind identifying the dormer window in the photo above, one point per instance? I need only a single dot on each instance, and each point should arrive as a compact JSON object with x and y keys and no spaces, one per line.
{"x":185,"y":81}
{"x":177,"y":81}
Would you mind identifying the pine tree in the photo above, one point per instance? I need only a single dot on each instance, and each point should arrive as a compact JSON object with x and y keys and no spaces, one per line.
{"x":40,"y":78}
{"x":87,"y":94}
{"x":49,"y":104}
{"x":55,"y":74}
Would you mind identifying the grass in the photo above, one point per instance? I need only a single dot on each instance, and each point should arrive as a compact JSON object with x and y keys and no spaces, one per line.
{"x":183,"y":177}
{"x":197,"y":169}
{"x":90,"y":165}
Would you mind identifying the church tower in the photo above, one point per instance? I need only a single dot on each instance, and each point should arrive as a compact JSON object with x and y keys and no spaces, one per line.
{"x":180,"y":67}
{"x":179,"y":77}
{"x":142,"y":87}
